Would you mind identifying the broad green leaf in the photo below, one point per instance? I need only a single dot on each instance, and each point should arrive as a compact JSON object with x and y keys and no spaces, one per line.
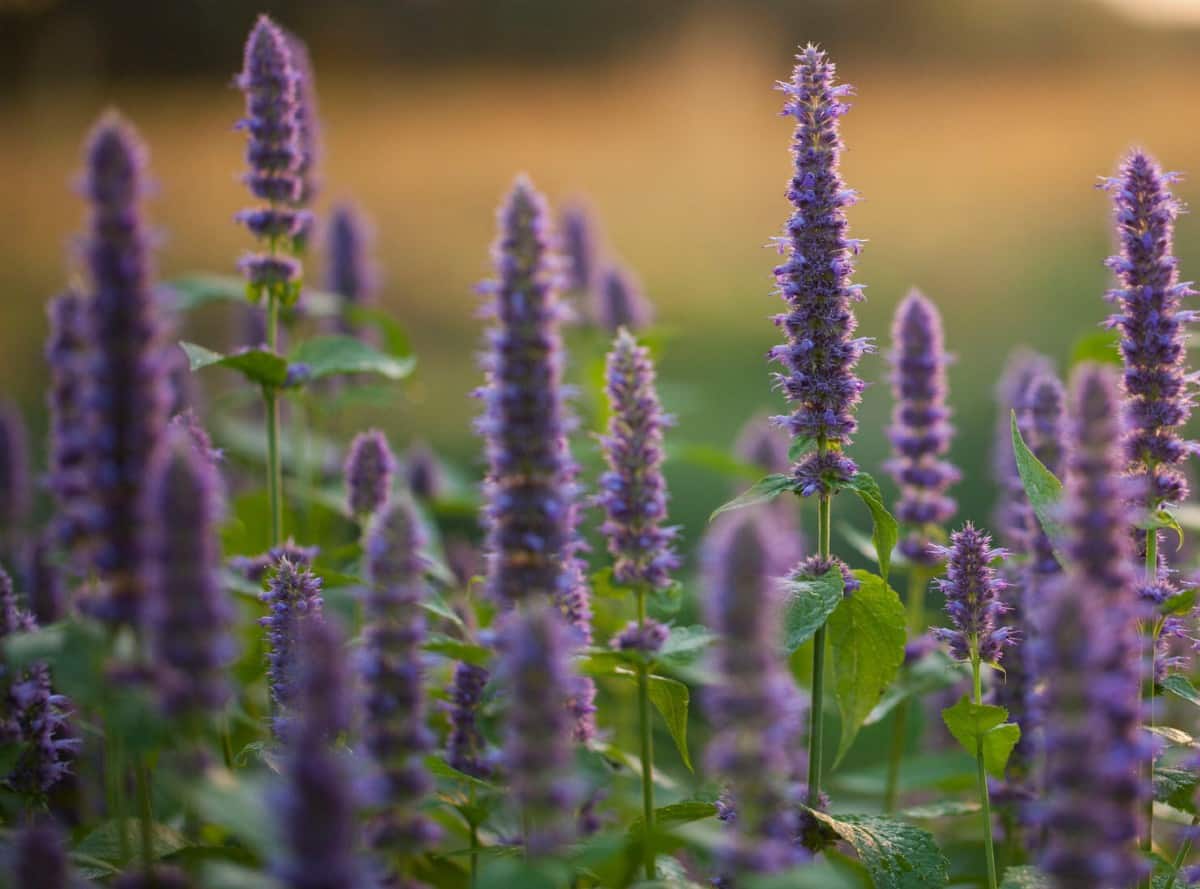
{"x":685,"y":645}
{"x":947,"y":809}
{"x":866,"y":632}
{"x":865,"y":547}
{"x":104,"y":842}
{"x":458,"y":649}
{"x":973,"y":724}
{"x":1025,"y":877}
{"x":671,"y":697}
{"x":934,"y":672}
{"x":1180,"y":604}
{"x":239,"y":805}
{"x":1099,"y":346}
{"x":808,"y":604}
{"x":764,"y":490}
{"x":395,"y":338}
{"x":439,"y":768}
{"x":1043,"y":490}
{"x":677,"y":813}
{"x":895,"y":854}
{"x":885,"y":531}
{"x":1176,"y":787}
{"x":257,"y":365}
{"x":329,"y":355}
{"x":200,"y":289}
{"x":1179,"y":685}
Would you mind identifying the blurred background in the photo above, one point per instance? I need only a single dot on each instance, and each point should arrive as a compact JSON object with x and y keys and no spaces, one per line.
{"x":976,"y":139}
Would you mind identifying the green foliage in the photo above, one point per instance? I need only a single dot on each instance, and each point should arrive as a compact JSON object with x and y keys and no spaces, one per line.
{"x":809,"y":602}
{"x":327,"y":356}
{"x":974,"y":724}
{"x":895,"y":854}
{"x":1043,"y":489}
{"x":866,"y":633}
{"x":1100,"y":347}
{"x":671,"y":698}
{"x":1181,"y":687}
{"x":260,"y":366}
{"x":1025,"y":877}
{"x":934,"y":672}
{"x":885,"y":531}
{"x":764,"y":490}
{"x":1176,"y":788}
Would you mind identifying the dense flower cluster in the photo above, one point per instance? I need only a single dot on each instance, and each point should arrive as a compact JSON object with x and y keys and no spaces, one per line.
{"x":69,"y":476}
{"x":972,"y":588}
{"x":466,"y":749}
{"x":293,"y":600}
{"x":423,"y":473}
{"x":349,"y":272}
{"x":579,"y":247}
{"x":619,"y":301}
{"x":369,"y":469}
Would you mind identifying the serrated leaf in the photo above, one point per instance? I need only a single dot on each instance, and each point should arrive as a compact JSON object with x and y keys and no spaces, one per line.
{"x":983,"y":724}
{"x":895,"y":854}
{"x":1042,"y":488}
{"x":671,"y":698}
{"x":808,"y":604}
{"x":1025,"y":877}
{"x":260,"y":366}
{"x":326,"y":356}
{"x":885,"y":531}
{"x":866,"y":633}
{"x":1176,"y":787}
{"x":762,"y":491}
{"x":934,"y":672}
{"x":1182,"y":688}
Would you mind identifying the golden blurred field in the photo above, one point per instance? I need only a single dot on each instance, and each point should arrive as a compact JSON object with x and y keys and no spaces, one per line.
{"x":977,"y":186}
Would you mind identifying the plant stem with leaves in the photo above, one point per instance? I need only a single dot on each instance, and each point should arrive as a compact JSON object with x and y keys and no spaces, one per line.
{"x":645,"y":728}
{"x":817,"y":720}
{"x":984,"y":797}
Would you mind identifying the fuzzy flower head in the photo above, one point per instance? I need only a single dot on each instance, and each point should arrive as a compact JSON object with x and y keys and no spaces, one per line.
{"x":528,"y":491}
{"x":921,"y":431}
{"x":1159,"y":391}
{"x":350,"y":272}
{"x":466,"y":748}
{"x":579,"y":246}
{"x":423,"y":472}
{"x":633,"y":490}
{"x":761,"y":444}
{"x":369,"y":469}
{"x":819,"y":358}
{"x":293,"y":598}
{"x":972,"y":588}
{"x":619,"y":302}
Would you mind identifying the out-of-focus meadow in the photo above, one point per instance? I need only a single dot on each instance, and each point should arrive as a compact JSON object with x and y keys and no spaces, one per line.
{"x":977,"y":177}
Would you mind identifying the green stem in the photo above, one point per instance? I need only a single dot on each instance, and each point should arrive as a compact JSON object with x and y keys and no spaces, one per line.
{"x":1181,"y":856}
{"x":984,"y":798}
{"x":817,"y":716}
{"x":116,"y":764}
{"x":917,"y":580}
{"x":145,"y":815}
{"x":474,"y":853}
{"x":271,"y":400}
{"x":643,"y":681}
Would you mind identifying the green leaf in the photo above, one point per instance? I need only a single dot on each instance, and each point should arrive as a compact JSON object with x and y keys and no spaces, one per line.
{"x":200,"y":289}
{"x":886,"y":530}
{"x":934,"y":672}
{"x":1181,"y":687}
{"x":458,"y":649}
{"x":947,"y":809}
{"x":104,"y":843}
{"x":239,"y":805}
{"x":671,"y":697}
{"x":799,"y":447}
{"x":260,"y":366}
{"x":685,"y":645}
{"x":1162,"y":519}
{"x":808,"y":605}
{"x":329,"y":355}
{"x":862,"y":544}
{"x":1042,"y":488}
{"x":1176,"y":788}
{"x":764,"y":490}
{"x":677,"y":813}
{"x":1173,"y":736}
{"x":974,"y":724}
{"x":1180,"y":603}
{"x":866,"y":632}
{"x":395,"y":338}
{"x":895,"y":854}
{"x":1100,"y":347}
{"x":439,"y":768}
{"x":1025,"y":877}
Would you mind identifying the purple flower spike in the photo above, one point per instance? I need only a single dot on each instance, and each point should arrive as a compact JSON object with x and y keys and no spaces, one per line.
{"x":619,"y":302}
{"x":920,"y":432}
{"x":972,"y":589}
{"x":821,"y":351}
{"x":274,"y":153}
{"x":1013,"y":516}
{"x":424,"y":473}
{"x":318,"y":805}
{"x":1087,"y":648}
{"x":1158,"y":389}
{"x":466,"y":747}
{"x":633,"y":490}
{"x":40,"y":857}
{"x":128,"y":387}
{"x":753,"y":700}
{"x":579,"y":247}
{"x":535,"y":645}
{"x":16,"y":494}
{"x":188,"y":612}
{"x":395,"y":732}
{"x":369,"y":469}
{"x":528,"y":513}
{"x":350,"y":273}
{"x":647,"y":638}
{"x":308,"y":125}
{"x":293,"y":599}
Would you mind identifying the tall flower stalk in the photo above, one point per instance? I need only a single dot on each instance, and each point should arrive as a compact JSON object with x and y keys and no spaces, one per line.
{"x":275,"y":156}
{"x":634,"y":497}
{"x":972,"y":589}
{"x":821,"y":352}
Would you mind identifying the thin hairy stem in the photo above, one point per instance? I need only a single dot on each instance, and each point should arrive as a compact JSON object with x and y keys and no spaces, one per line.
{"x":816,"y":717}
{"x":984,"y":797}
{"x":647,"y":738}
{"x":271,"y":401}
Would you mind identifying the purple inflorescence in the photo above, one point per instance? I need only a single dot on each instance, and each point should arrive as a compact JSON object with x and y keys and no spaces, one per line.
{"x":752,"y":701}
{"x":369,"y":469}
{"x":423,"y":472}
{"x":818,"y":566}
{"x":529,"y":499}
{"x":618,"y":301}
{"x":466,"y":748}
{"x":256,"y":568}
{"x":128,"y":390}
{"x":40,"y":857}
{"x":395,"y":731}
{"x":921,"y":431}
{"x":535,"y":644}
{"x":16,"y":494}
{"x":349,"y":271}
{"x":633,"y":490}
{"x":274,"y":153}
{"x":293,"y":599}
{"x":1013,"y":516}
{"x":318,"y":805}
{"x":47,"y":590}
{"x":821,"y":352}
{"x":579,"y":247}
{"x":1158,"y":390}
{"x":1086,"y":647}
{"x":972,"y":589}
{"x":188,"y":613}
{"x":308,"y":129}
{"x":647,"y":638}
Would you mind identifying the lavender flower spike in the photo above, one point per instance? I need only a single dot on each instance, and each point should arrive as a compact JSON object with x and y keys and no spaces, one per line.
{"x":579,"y":247}
{"x":1014,"y":517}
{"x":349,"y":272}
{"x":619,"y":301}
{"x":821,"y":352}
{"x":274,"y":153}
{"x":128,"y":389}
{"x":293,"y":599}
{"x":528,"y":511}
{"x":972,"y":589}
{"x":752,"y":702}
{"x":392,"y":672}
{"x":369,"y":469}
{"x":1087,"y":647}
{"x":189,"y":614}
{"x":466,"y":746}
{"x":426,"y":480}
{"x":920,"y":432}
{"x":536,"y":674}
{"x":634,"y":492}
{"x":40,"y":857}
{"x":1159,"y":391}
{"x":16,"y":494}
{"x":318,"y":806}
